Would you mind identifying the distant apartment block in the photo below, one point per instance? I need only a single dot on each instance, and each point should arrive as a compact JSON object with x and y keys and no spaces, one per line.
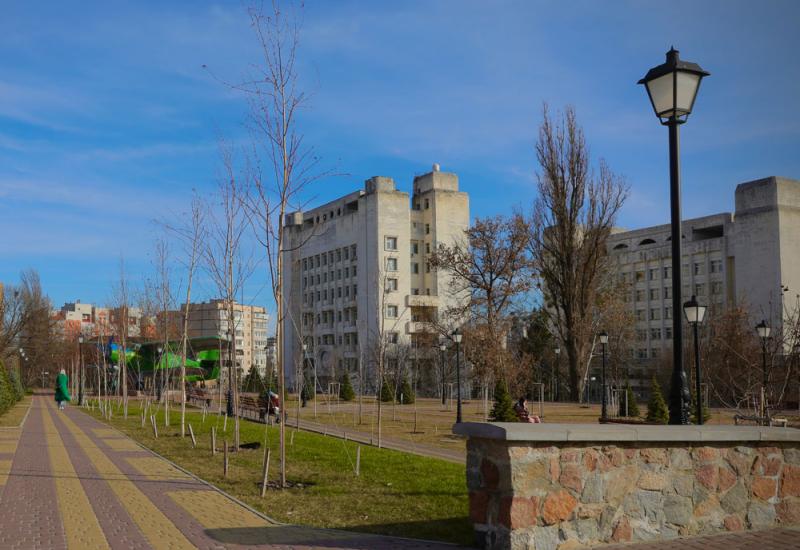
{"x":210,"y":319}
{"x":76,"y":318}
{"x":357,"y":272}
{"x":750,"y":257}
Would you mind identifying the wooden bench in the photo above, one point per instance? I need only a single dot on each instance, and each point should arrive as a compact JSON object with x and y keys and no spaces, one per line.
{"x":250,"y":405}
{"x":198,"y":395}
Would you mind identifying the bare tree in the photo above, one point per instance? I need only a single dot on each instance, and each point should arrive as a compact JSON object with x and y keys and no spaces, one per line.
{"x":572,"y":218}
{"x":122,"y":306}
{"x":280,"y":164}
{"x":229,"y":263}
{"x":165,"y":300}
{"x":192,"y":236}
{"x":489,"y":271}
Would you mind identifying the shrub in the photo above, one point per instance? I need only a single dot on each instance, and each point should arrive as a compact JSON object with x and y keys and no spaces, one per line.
{"x":657,"y":411}
{"x":386,"y":394}
{"x":8,"y":395}
{"x":406,"y":391}
{"x":307,"y":393}
{"x":503,"y":409}
{"x":346,"y":392}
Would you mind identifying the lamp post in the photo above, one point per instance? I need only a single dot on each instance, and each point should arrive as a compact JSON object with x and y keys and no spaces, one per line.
{"x":442,"y":349}
{"x":672,"y":88}
{"x":155,"y":372}
{"x":695,"y":313}
{"x":763,"y":330}
{"x":229,"y":404}
{"x":80,"y":370}
{"x":457,"y":339}
{"x":604,"y":407}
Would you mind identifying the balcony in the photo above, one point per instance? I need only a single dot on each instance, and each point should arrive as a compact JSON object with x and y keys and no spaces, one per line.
{"x":420,"y":327}
{"x":421,"y":300}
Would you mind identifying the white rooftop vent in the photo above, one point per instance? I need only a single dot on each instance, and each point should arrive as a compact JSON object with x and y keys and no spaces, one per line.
{"x":436,"y":167}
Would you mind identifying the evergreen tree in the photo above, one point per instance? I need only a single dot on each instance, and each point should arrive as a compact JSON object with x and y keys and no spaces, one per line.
{"x":386,"y":395}
{"x":406,"y":391}
{"x":307,"y":393}
{"x":633,"y":408}
{"x":346,"y":392}
{"x":657,"y":411}
{"x":693,"y":411}
{"x":503,"y":409}
{"x":252,"y":382}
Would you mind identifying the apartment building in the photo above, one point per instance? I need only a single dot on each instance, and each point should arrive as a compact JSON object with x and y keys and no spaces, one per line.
{"x":210,"y":319}
{"x":81,"y":318}
{"x":357,"y":275}
{"x":750,"y":257}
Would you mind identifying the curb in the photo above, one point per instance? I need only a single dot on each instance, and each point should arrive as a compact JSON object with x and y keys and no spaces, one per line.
{"x":24,"y":418}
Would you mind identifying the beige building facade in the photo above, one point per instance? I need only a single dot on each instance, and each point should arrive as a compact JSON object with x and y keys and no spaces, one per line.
{"x":210,"y":320}
{"x":357,"y":273}
{"x":748,"y":258}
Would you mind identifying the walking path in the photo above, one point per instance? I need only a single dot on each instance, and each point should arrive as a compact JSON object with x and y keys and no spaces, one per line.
{"x":69,"y":482}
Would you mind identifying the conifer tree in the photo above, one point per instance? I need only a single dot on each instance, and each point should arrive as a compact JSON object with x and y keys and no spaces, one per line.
{"x":406,"y":392}
{"x":253,"y":382}
{"x":386,"y":395}
{"x":346,"y":392}
{"x":657,"y":411}
{"x":503,"y":409}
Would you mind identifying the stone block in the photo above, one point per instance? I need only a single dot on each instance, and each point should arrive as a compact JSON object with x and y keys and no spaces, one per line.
{"x":651,"y":504}
{"x":652,"y":481}
{"x":490,"y":474}
{"x":570,"y":544}
{"x":788,"y":511}
{"x":683,"y":485}
{"x":791,"y":455}
{"x":619,"y":483}
{"x":653,"y":455}
{"x":766,"y":466}
{"x":740,"y":461}
{"x":478,"y":506}
{"x":679,"y":459}
{"x":677,"y":509}
{"x":622,"y":531}
{"x":518,"y":512}
{"x":586,"y":529}
{"x":558,"y":506}
{"x":545,"y":538}
{"x":733,"y":523}
{"x":593,"y":489}
{"x":572,"y":477}
{"x":760,"y":515}
{"x":735,"y":500}
{"x":707,"y":476}
{"x":763,"y":487}
{"x":790,"y":481}
{"x":705,"y":454}
{"x":727,"y":478}
{"x":708,"y":507}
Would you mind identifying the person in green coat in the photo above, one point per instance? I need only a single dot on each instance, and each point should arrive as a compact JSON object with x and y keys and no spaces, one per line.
{"x":62,"y":391}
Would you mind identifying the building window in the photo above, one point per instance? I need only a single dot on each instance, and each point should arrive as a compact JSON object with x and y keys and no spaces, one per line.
{"x":427,"y":229}
{"x":667,"y":272}
{"x":640,"y":295}
{"x":700,"y":289}
{"x":427,"y":248}
{"x":391,"y":311}
{"x":655,"y":334}
{"x":346,"y":252}
{"x":667,"y":292}
{"x":354,"y":271}
{"x":415,"y":292}
{"x":641,"y":335}
{"x":698,"y":268}
{"x":668,"y":333}
{"x":346,"y":272}
{"x":640,"y":315}
{"x":414,"y":248}
{"x":324,"y":259}
{"x":427,"y":204}
{"x":305,"y":264}
{"x":641,"y":353}
{"x":392,"y":337}
{"x":668,"y":312}
{"x":390,"y":243}
{"x":427,"y":267}
{"x":716,"y":266}
{"x":355,"y":291}
{"x":338,"y":254}
{"x":639,"y":276}
{"x":654,"y":294}
{"x":415,"y":268}
{"x":353,"y":253}
{"x":391,"y":264}
{"x":391,"y":285}
{"x":716,"y":287}
{"x":653,"y":274}
{"x":655,"y":314}
{"x":339,"y":292}
{"x":654,"y":352}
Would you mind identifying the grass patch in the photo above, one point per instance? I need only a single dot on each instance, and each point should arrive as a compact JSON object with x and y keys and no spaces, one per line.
{"x":396,"y":494}
{"x":13,"y":416}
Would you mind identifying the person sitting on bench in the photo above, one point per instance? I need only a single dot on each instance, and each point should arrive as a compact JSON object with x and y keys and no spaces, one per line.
{"x":521,"y":408}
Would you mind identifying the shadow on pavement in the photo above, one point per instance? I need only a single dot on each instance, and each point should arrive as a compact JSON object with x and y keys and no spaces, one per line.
{"x":322,"y":538}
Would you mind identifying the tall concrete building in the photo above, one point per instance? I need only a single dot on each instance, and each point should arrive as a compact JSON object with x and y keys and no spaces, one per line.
{"x":356,"y":272}
{"x":210,"y":319}
{"x":750,"y":258}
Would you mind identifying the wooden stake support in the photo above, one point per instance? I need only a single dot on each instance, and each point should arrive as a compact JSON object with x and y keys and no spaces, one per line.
{"x":213,"y":440}
{"x":225,"y":459}
{"x":191,"y":433}
{"x":358,"y":460}
{"x":155,"y":427}
{"x":265,"y":474}
{"x":225,"y":424}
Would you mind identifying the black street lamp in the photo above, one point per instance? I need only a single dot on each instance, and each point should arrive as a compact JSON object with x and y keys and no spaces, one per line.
{"x":457,"y":340}
{"x":80,"y":371}
{"x":695,"y":313}
{"x":604,"y":409}
{"x":672,"y":88}
{"x":763,"y":330}
{"x":442,"y":349}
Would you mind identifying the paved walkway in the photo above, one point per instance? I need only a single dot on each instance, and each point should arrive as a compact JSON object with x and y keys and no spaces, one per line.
{"x":68,"y":481}
{"x":771,"y":539}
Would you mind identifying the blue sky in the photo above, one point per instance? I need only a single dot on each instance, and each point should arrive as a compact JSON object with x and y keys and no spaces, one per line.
{"x":108,"y":120}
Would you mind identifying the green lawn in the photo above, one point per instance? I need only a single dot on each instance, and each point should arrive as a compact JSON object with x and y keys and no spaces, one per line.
{"x":396,"y":493}
{"x":13,"y":416}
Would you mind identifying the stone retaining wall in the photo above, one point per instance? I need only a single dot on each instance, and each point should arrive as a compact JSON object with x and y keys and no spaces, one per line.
{"x":561,"y":487}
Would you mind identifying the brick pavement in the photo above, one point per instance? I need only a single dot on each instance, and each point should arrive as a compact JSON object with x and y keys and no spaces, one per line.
{"x":73,"y":483}
{"x":772,"y":539}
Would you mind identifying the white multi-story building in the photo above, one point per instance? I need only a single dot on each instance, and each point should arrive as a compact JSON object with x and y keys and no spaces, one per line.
{"x":357,"y":272}
{"x":210,"y":319}
{"x":750,"y":258}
